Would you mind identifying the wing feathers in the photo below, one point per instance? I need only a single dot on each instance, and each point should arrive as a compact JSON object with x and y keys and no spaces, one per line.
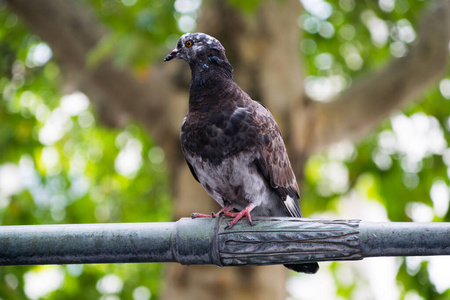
{"x":273,"y":162}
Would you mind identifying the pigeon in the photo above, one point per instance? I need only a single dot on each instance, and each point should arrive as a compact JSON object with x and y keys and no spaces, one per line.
{"x":231,"y":143}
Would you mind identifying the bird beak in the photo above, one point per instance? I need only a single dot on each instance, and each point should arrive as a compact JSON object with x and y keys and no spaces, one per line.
{"x":172,"y":55}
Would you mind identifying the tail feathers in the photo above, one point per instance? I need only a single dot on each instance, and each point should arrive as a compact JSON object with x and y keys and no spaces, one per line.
{"x":292,"y":206}
{"x":308,"y":268}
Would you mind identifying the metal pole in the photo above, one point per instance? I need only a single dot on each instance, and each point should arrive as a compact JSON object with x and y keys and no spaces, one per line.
{"x":206,"y":241}
{"x":404,"y":239}
{"x":85,"y":243}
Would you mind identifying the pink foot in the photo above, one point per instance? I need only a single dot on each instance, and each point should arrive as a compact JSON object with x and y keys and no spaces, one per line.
{"x":224,"y":210}
{"x":237,"y":216}
{"x":197,"y":215}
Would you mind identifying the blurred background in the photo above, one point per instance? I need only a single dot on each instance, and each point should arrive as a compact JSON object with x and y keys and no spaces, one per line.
{"x":90,"y":117}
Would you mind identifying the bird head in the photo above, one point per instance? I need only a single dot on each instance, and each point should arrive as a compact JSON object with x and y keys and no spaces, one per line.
{"x":192,"y":46}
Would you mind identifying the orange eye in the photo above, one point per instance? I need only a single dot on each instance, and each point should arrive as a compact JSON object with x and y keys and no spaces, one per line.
{"x":189,"y":44}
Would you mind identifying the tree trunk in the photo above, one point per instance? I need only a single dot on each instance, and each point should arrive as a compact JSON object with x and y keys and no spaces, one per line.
{"x":256,"y":46}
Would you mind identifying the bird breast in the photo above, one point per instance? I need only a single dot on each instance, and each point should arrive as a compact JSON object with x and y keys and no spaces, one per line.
{"x":235,"y":180}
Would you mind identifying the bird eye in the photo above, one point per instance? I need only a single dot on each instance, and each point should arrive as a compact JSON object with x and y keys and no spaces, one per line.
{"x":189,"y":44}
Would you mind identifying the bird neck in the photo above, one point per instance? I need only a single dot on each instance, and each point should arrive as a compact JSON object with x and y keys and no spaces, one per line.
{"x":212,"y":80}
{"x":210,"y":65}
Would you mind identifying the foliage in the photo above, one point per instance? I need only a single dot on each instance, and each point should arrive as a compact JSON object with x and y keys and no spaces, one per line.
{"x":404,"y":165}
{"x":58,"y":165}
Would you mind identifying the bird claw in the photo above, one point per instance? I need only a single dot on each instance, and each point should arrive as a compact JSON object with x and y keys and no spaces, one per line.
{"x":226,"y":212}
{"x":197,"y":215}
{"x":218,"y":214}
{"x":221,"y":212}
{"x":231,"y":224}
{"x":237,"y":216}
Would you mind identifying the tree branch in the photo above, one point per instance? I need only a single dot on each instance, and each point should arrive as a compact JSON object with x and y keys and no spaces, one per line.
{"x":358,"y":110}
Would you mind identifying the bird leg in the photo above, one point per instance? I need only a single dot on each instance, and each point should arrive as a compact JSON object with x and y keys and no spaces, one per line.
{"x":237,"y":216}
{"x":224,"y":210}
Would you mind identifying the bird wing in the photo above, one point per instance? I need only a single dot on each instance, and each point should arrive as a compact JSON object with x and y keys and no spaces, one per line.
{"x":273,"y":161}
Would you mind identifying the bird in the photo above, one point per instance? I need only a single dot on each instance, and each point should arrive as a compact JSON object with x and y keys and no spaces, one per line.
{"x":231,"y":143}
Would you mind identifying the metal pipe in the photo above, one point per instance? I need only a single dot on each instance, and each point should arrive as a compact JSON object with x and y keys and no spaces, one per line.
{"x":404,"y":239}
{"x":206,"y":241}
{"x":85,"y":243}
